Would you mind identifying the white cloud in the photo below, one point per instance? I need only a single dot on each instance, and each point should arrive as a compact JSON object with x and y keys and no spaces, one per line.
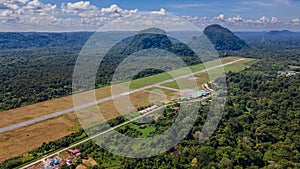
{"x":16,"y":1}
{"x":162,"y":11}
{"x":115,"y":11}
{"x":220,"y":17}
{"x":191,"y":18}
{"x":274,"y":20}
{"x":240,"y":23}
{"x":6,"y":13}
{"x":263,"y":20}
{"x":81,"y":14}
{"x":112,"y":9}
{"x":82,"y":8}
{"x":78,"y":7}
{"x":33,"y":12}
{"x":34,"y":5}
{"x":37,"y":7}
{"x":296,"y":20}
{"x":236,"y":19}
{"x":9,"y":6}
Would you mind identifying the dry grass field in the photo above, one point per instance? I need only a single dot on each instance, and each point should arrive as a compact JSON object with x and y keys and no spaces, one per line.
{"x":27,"y":138}
{"x":39,"y":109}
{"x":22,"y":140}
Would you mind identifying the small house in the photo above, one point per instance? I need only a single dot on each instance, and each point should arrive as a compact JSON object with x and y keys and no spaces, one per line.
{"x":155,"y":106}
{"x":198,"y":94}
{"x":176,"y":108}
{"x":142,"y":111}
{"x":56,"y":161}
{"x":68,"y":161}
{"x":290,"y":73}
{"x":75,"y":152}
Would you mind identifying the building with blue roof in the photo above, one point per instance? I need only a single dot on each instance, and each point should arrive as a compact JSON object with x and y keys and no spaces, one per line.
{"x":198,"y":94}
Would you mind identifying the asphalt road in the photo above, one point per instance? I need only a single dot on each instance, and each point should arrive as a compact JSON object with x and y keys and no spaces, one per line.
{"x":59,"y":113}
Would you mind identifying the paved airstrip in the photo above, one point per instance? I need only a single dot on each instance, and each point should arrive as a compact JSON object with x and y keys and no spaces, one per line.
{"x":59,"y":113}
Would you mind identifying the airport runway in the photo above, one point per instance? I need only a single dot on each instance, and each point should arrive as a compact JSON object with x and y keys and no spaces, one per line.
{"x":59,"y":113}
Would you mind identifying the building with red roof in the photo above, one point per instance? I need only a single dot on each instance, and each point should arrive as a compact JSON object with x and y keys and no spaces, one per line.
{"x":75,"y":152}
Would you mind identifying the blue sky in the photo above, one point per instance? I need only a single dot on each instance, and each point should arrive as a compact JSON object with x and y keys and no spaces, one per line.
{"x":208,"y":8}
{"x":60,"y":15}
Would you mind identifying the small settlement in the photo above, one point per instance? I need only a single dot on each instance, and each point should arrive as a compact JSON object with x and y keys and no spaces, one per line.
{"x":195,"y":95}
{"x":287,"y":73}
{"x":148,"y":109}
{"x":56,"y":162}
{"x":50,"y":163}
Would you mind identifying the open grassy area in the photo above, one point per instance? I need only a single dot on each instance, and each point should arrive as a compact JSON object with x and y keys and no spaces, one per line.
{"x":294,"y":67}
{"x":205,"y":77}
{"x":145,"y":131}
{"x":176,"y":73}
{"x":168,"y":93}
{"x":239,"y":65}
{"x":183,"y":84}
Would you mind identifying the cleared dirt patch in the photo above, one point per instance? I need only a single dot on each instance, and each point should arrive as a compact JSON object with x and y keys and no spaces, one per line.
{"x":81,"y":167}
{"x":89,"y":162}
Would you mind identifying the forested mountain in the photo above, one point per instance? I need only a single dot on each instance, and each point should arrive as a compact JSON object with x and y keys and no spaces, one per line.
{"x":284,"y":38}
{"x":223,"y":39}
{"x":282,"y":33}
{"x":152,"y":38}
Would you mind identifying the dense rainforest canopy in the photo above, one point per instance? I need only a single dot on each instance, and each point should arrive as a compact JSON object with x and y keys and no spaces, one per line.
{"x":259,"y":129}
